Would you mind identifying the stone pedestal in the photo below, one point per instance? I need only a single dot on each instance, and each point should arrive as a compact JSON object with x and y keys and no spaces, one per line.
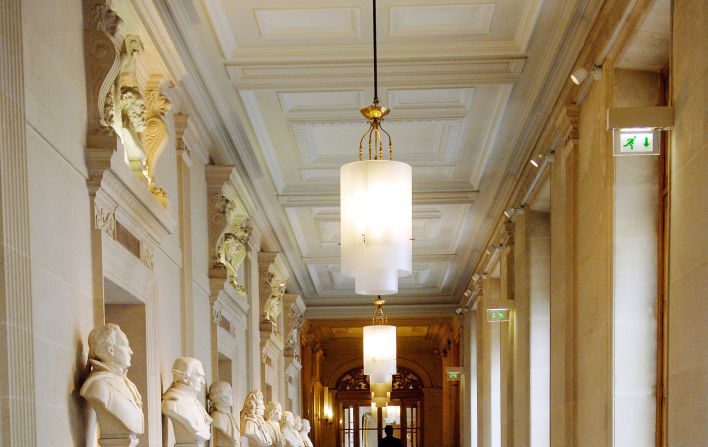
{"x":185,"y":438}
{"x":118,"y":440}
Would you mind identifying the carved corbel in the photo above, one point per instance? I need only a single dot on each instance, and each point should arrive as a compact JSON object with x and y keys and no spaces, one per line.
{"x":295,"y":320}
{"x":231,"y":245}
{"x":102,"y":43}
{"x":275,"y":288}
{"x":155,"y":134}
{"x":572,"y":115}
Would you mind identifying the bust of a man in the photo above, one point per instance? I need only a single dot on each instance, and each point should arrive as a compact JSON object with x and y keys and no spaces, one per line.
{"x":253,"y":426}
{"x":274,"y":412}
{"x":226,"y":432}
{"x":305,"y":433}
{"x":179,"y":403}
{"x":112,"y":395}
{"x":290,"y":434}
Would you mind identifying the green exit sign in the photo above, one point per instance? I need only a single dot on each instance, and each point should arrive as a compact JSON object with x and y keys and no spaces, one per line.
{"x":497,"y":315}
{"x":454,"y":373}
{"x":636,"y":141}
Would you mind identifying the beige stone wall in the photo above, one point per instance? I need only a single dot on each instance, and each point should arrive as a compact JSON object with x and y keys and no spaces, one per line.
{"x":688,"y":240}
{"x":59,"y":216}
{"x":593,"y":272}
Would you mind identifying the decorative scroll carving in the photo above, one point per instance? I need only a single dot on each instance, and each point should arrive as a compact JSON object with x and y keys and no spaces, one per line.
{"x":216,"y":312}
{"x":105,"y":220}
{"x":146,"y":255}
{"x":406,"y":379}
{"x":155,"y":135}
{"x":292,"y":342}
{"x":116,"y":104}
{"x":274,"y":303}
{"x":232,"y":243}
{"x":356,"y":380}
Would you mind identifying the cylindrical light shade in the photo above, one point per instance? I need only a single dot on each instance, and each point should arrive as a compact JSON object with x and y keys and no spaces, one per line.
{"x":376,"y":224}
{"x":392,"y":414}
{"x":379,"y":353}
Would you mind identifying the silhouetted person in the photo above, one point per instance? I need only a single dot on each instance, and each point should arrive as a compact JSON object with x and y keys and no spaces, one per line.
{"x":390,"y":440}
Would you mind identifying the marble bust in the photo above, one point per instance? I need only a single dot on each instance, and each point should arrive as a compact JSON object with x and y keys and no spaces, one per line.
{"x":190,"y":421}
{"x":225,"y":426}
{"x":116,"y":400}
{"x":305,"y":433}
{"x":298,"y":426}
{"x":253,"y":426}
{"x":274,"y":412}
{"x":290,"y":434}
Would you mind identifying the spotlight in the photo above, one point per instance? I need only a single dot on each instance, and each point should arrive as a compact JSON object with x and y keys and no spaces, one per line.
{"x":490,"y":250}
{"x":468,"y":293}
{"x":536,"y":160}
{"x":510,"y":213}
{"x":579,"y":75}
{"x":475,"y":277}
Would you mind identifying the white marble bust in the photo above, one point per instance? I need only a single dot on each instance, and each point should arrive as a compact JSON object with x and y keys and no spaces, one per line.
{"x":253,"y":426}
{"x":274,"y":412}
{"x":305,"y":433}
{"x":225,"y":426}
{"x":112,"y":395}
{"x":190,"y":420}
{"x":298,"y":426}
{"x":290,"y":434}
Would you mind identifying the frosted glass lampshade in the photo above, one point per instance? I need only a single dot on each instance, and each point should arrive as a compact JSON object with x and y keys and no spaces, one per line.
{"x":392,"y":414}
{"x":379,"y":353}
{"x":376,"y":224}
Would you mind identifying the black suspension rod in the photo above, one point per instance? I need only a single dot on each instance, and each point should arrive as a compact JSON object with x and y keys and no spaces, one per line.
{"x":376,"y":71}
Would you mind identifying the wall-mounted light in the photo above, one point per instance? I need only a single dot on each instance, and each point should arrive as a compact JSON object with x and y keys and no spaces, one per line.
{"x":580,"y":74}
{"x":510,"y":213}
{"x":327,"y":412}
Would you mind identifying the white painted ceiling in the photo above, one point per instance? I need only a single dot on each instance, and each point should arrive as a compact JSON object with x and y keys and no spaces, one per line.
{"x":469,"y":82}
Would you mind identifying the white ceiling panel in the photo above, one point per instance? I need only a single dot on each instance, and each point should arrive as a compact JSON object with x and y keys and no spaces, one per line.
{"x":310,"y":22}
{"x":441,"y":19}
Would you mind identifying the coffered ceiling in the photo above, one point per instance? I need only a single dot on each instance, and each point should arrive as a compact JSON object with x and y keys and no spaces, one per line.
{"x":469,"y":83}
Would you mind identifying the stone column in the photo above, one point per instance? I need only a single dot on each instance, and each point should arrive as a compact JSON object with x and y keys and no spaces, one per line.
{"x":18,"y":424}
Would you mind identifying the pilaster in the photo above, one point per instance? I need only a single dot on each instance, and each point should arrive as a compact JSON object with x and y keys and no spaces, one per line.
{"x":18,"y":422}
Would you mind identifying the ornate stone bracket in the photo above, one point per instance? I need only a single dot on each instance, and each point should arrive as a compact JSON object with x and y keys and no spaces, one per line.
{"x":116,"y":105}
{"x":272,"y":308}
{"x":231,"y":246}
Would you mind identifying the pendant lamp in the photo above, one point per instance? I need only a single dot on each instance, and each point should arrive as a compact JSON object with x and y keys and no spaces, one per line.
{"x":379,"y":348}
{"x":376,"y":208}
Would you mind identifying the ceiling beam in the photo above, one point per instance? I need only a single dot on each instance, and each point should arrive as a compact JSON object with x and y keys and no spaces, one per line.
{"x":394,"y":310}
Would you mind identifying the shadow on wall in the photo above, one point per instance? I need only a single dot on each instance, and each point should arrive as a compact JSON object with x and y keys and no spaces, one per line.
{"x":83,"y":421}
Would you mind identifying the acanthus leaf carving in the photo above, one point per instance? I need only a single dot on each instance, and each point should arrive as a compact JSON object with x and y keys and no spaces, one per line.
{"x":105,"y":220}
{"x":273,"y":304}
{"x":216,"y":312}
{"x":232,"y":244}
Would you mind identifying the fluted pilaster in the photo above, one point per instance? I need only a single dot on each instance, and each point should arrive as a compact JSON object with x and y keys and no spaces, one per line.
{"x":16,"y":356}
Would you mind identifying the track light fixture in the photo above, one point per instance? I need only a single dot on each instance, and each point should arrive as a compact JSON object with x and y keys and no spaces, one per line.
{"x":538,"y":159}
{"x":510,"y":213}
{"x":580,"y":74}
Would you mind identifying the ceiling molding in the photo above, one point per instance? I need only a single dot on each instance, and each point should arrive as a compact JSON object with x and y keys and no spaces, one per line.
{"x":366,"y":310}
{"x":419,"y":198}
{"x":465,"y":72}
